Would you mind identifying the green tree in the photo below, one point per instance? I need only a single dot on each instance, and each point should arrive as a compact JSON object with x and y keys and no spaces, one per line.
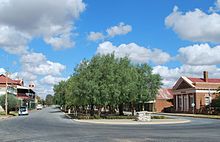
{"x":49,"y":100}
{"x":106,"y":81}
{"x":13,"y":102}
{"x":60,"y":91}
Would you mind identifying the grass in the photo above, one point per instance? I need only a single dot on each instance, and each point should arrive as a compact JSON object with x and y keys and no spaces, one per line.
{"x":11,"y":113}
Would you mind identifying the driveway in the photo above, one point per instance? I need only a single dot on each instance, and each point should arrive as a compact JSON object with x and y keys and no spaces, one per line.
{"x":51,"y":125}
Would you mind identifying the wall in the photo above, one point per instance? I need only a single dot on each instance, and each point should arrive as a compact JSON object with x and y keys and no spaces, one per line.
{"x":161,"y":104}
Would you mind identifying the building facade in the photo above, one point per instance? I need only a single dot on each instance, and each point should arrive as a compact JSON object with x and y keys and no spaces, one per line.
{"x":164,"y":100}
{"x":26,"y":95}
{"x":194,"y":95}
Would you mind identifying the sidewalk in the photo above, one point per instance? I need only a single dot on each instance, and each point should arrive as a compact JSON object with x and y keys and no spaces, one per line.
{"x":4,"y":117}
{"x":132,"y":122}
{"x":192,"y":115}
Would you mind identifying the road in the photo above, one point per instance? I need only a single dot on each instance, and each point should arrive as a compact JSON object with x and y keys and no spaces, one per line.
{"x":51,"y":125}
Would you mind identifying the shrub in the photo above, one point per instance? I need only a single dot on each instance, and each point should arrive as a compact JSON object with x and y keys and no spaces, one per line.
{"x":158,"y":117}
{"x":13,"y":102}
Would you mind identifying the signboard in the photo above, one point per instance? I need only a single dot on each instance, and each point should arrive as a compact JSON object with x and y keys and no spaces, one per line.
{"x":193,"y":104}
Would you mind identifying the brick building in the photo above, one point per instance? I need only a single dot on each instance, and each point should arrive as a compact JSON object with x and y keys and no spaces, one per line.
{"x":194,"y":94}
{"x":164,"y":100}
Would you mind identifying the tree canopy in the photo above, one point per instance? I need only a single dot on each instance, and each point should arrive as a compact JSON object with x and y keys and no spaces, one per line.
{"x":107,"y":81}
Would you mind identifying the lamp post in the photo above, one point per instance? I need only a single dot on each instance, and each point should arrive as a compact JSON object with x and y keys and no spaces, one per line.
{"x":6,"y":94}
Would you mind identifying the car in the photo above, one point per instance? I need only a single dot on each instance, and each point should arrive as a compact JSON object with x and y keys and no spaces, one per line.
{"x":39,"y":107}
{"x":23,"y":110}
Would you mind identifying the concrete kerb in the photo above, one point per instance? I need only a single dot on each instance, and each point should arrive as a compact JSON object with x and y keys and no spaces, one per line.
{"x":191,"y":115}
{"x":5,"y":117}
{"x":132,"y":122}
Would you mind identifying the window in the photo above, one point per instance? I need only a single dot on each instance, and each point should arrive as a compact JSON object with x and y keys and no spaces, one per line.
{"x":207,"y":101}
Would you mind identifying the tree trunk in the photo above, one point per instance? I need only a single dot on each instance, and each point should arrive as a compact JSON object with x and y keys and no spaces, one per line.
{"x":99,"y":111}
{"x":92,"y":110}
{"x":133,"y":108}
{"x":143,"y":106}
{"x":121,"y":109}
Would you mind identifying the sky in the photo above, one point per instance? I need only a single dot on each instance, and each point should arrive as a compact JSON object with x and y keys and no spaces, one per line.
{"x":41,"y":41}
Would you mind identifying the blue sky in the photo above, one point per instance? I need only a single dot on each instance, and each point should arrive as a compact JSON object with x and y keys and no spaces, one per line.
{"x":42,"y":42}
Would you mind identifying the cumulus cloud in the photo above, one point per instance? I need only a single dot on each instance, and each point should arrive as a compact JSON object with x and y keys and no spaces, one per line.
{"x":216,"y":8}
{"x":52,"y":20}
{"x":2,"y":71}
{"x":51,"y":80}
{"x":170,"y":75}
{"x":199,"y":54}
{"x":134,"y":52}
{"x":120,"y":29}
{"x":93,"y":36}
{"x":36,"y":63}
{"x":27,"y":76}
{"x":195,"y":25}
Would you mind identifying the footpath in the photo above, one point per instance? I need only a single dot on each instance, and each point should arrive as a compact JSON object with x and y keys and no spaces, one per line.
{"x":133,"y":122}
{"x":4,"y":117}
{"x":192,"y":115}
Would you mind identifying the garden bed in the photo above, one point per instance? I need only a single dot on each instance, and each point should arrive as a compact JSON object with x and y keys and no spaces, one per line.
{"x":112,"y":117}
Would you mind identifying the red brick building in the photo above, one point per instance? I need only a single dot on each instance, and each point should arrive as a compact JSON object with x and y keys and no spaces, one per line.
{"x":194,"y":94}
{"x":164,"y":100}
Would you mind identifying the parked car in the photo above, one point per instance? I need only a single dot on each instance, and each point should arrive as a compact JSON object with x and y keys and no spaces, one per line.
{"x":39,"y":107}
{"x":23,"y":110}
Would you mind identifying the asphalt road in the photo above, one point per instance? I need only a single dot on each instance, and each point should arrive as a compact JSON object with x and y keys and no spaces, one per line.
{"x":50,"y":125}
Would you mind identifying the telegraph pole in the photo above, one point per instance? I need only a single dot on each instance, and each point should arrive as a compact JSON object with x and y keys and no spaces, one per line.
{"x":6,"y":94}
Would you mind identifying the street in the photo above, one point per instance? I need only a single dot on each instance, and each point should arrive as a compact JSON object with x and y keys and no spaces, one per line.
{"x":50,"y":124}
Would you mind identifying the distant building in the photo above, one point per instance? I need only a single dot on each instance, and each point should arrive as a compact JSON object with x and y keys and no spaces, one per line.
{"x":164,"y":100}
{"x":17,"y":88}
{"x":194,"y":94}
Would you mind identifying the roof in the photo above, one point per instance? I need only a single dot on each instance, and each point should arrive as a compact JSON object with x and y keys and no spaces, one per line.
{"x":165,"y":93}
{"x":10,"y":81}
{"x":3,"y":80}
{"x":210,"y":80}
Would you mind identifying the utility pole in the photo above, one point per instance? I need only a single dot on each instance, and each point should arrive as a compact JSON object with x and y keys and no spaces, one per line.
{"x":6,"y":94}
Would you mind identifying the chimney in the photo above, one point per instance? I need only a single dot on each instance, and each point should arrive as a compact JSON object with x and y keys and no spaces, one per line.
{"x":205,"y":74}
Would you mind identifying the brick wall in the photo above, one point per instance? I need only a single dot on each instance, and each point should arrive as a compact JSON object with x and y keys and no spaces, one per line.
{"x":161,"y":104}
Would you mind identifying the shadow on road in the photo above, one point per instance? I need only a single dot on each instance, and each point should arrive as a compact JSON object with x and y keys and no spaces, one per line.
{"x":56,"y":111}
{"x":65,"y":117}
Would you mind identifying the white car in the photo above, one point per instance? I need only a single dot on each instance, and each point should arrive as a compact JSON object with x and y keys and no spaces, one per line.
{"x":23,"y":110}
{"x":39,"y":107}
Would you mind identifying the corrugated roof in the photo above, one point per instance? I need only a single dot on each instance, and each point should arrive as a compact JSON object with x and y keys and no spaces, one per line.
{"x":165,"y":93}
{"x":9,"y":80}
{"x":3,"y":79}
{"x":210,"y":80}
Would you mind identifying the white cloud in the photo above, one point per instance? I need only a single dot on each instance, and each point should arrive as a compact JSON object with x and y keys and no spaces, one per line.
{"x":93,"y":36}
{"x":120,"y":29}
{"x":27,"y":76}
{"x":51,"y":80}
{"x":216,"y":8}
{"x":195,"y":25}
{"x":170,"y":75}
{"x":37,"y":63}
{"x":47,"y":68}
{"x":199,"y":54}
{"x":2,"y":71}
{"x":12,"y":41}
{"x":134,"y":52}
{"x":33,"y":58}
{"x":52,"y":20}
